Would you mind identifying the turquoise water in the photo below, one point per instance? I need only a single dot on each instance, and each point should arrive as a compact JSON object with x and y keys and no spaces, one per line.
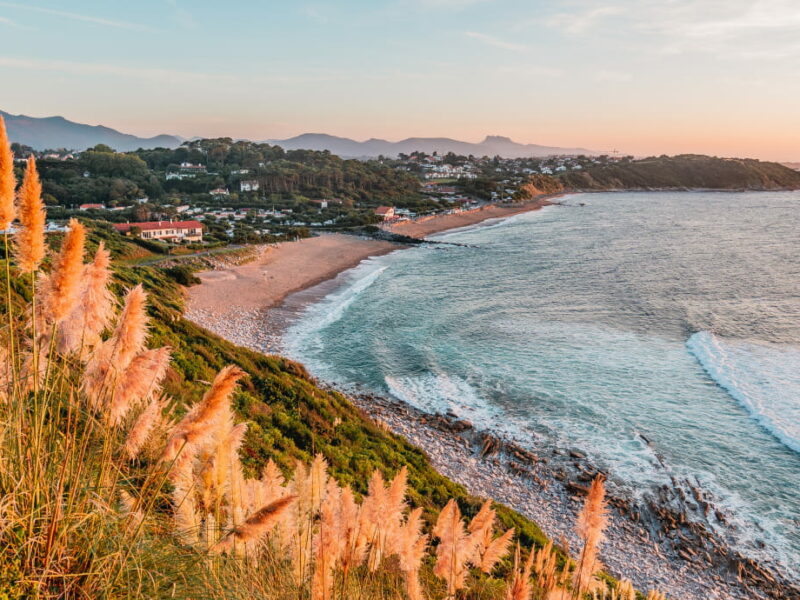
{"x":673,"y":317}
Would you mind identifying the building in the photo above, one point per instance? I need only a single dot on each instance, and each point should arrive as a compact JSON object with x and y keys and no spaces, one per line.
{"x":172,"y":231}
{"x":186,"y":171}
{"x":385,"y":212}
{"x":219,"y":192}
{"x":249,"y":185}
{"x":92,"y":207}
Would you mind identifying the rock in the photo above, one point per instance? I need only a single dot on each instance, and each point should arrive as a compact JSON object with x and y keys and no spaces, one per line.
{"x":577,"y":487}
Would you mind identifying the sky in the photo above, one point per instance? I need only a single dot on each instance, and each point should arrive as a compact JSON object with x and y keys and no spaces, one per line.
{"x":638,"y":76}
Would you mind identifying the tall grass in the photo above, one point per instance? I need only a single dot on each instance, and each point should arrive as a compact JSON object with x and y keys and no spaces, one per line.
{"x":110,"y":489}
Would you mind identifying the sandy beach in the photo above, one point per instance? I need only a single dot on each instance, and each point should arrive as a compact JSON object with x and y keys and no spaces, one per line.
{"x":235,"y":301}
{"x":281,"y":270}
{"x":240,"y":302}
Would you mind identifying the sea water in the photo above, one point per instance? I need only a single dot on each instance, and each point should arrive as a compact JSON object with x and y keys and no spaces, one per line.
{"x":659,"y":333}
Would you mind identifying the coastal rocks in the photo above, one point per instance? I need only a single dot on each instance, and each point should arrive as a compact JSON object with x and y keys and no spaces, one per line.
{"x":655,"y":543}
{"x":248,"y":328}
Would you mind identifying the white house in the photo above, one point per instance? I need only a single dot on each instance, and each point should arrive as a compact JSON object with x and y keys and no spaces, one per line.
{"x":176,"y":231}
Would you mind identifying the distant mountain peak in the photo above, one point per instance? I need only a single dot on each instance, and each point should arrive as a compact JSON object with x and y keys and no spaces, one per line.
{"x":490,"y":146}
{"x":498,"y":139}
{"x":42,"y":133}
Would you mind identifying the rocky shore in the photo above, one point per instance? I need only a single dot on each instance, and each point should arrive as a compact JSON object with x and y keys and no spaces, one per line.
{"x":652,"y":542}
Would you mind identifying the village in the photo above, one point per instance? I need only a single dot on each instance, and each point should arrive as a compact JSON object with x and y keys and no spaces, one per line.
{"x":241,"y":204}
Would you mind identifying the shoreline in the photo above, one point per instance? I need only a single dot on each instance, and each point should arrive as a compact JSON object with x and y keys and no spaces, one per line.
{"x":242,"y":302}
{"x":264,"y":289}
{"x":653,"y":544}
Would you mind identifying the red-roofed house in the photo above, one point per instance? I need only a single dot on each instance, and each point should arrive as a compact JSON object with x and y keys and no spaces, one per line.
{"x":385,"y":212}
{"x":92,"y":207}
{"x":174,"y":231}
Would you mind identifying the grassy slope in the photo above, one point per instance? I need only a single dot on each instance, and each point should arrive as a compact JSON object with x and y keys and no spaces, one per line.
{"x":685,"y":171}
{"x":289,"y":416}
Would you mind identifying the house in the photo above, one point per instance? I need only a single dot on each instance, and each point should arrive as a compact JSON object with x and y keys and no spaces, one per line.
{"x":173,"y":231}
{"x":248,"y":185}
{"x":385,"y":212}
{"x":186,"y":171}
{"x":92,"y":207}
{"x":219,"y":192}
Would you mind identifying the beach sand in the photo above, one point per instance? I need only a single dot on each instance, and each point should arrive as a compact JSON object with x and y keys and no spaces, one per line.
{"x":241,"y":303}
{"x":237,"y":302}
{"x":281,"y":270}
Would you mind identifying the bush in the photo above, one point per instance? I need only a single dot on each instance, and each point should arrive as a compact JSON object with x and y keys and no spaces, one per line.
{"x":182,"y":275}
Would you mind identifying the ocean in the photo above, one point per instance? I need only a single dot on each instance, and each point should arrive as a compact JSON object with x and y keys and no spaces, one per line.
{"x":658,"y":333}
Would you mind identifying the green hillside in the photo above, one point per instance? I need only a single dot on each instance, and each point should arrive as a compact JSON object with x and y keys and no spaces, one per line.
{"x":686,"y":171}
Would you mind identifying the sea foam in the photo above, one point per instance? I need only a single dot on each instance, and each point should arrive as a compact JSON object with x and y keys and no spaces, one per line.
{"x":763,"y":378}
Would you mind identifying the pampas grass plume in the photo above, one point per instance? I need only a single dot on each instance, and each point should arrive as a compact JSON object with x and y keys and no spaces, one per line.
{"x":453,"y":550}
{"x":142,"y":427}
{"x":140,"y":382}
{"x":95,"y":307}
{"x":29,"y":240}
{"x":63,"y":284}
{"x":200,"y":423}
{"x":8,"y":182}
{"x":255,"y":527}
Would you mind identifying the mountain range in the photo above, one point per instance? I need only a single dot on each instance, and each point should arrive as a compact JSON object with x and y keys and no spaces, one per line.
{"x":58,"y":132}
{"x":492,"y":145}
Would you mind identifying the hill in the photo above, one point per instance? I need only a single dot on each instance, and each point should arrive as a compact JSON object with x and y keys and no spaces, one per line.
{"x":491,"y":146}
{"x":682,"y":172}
{"x":58,"y":132}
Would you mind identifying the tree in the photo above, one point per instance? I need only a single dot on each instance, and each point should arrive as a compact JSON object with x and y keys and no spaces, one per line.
{"x":141,"y":213}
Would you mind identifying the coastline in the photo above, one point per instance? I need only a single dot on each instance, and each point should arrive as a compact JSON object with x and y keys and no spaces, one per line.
{"x":655,"y":546}
{"x":239,"y":302}
{"x":251,"y":304}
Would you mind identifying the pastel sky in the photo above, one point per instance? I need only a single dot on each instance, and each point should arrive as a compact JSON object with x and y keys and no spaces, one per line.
{"x":640,"y":76}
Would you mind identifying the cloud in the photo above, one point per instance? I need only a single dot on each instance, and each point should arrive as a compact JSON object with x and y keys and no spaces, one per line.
{"x":82,"y":68}
{"x":755,"y":29}
{"x":726,"y":29}
{"x":79,"y":17}
{"x":10,"y":23}
{"x":303,"y":76}
{"x":496,"y":42}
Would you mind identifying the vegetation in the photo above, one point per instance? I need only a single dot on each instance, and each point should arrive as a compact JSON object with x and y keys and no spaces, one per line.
{"x":124,"y":473}
{"x":683,"y":172}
